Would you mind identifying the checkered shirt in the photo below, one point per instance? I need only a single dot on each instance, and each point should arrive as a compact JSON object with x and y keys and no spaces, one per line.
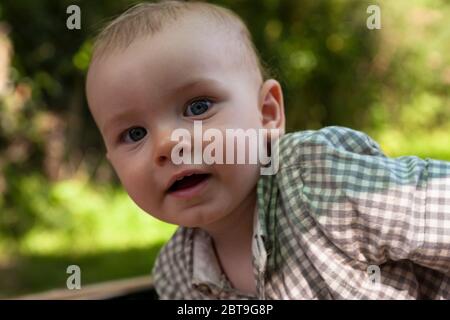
{"x":339,"y":220}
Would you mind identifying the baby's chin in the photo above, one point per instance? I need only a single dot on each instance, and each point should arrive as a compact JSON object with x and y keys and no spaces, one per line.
{"x":194,"y":218}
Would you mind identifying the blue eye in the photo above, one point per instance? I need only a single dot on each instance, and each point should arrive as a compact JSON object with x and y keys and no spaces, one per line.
{"x":197,"y":107}
{"x":135,"y":134}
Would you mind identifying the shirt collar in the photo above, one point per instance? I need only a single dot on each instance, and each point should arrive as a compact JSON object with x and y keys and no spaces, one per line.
{"x":205,"y":265}
{"x":206,"y":268}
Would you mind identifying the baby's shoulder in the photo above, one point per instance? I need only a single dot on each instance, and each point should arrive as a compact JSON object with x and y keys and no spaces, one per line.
{"x":309,"y":145}
{"x":171,"y":272}
{"x":177,"y":249}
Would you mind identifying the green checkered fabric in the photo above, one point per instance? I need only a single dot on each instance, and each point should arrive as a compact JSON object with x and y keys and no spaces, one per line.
{"x":339,"y":220}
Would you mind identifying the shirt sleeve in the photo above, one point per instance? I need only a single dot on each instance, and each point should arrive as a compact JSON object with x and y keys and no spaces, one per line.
{"x":165,"y":286}
{"x":171,"y":272}
{"x":372,"y":207}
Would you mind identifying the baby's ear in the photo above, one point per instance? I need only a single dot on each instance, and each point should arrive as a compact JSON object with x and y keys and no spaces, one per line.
{"x":272,"y":105}
{"x":107,"y":156}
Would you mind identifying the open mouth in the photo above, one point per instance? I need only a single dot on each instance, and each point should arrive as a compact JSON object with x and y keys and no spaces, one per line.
{"x":188,"y":182}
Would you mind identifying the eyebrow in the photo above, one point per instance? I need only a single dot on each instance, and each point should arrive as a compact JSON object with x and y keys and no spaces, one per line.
{"x":188,"y":85}
{"x":114,"y":120}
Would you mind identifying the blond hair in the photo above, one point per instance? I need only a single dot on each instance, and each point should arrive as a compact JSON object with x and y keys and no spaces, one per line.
{"x":149,"y":18}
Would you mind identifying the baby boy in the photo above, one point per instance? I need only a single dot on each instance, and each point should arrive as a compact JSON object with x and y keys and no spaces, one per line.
{"x":337,"y":219}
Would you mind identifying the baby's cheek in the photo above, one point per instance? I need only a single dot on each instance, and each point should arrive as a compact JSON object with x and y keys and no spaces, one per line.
{"x":139,"y":189}
{"x":240,"y":179}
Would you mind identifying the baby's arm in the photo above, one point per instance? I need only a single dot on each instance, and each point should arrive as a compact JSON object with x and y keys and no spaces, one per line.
{"x":376,"y":208}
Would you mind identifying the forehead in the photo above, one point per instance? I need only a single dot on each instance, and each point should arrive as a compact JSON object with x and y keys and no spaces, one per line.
{"x":151,"y":66}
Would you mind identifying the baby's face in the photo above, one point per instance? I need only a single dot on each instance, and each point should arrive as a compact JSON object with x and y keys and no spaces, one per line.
{"x":140,"y":95}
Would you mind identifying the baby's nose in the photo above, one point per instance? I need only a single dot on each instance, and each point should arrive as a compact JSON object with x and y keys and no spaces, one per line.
{"x":163,"y":151}
{"x":166,"y":148}
{"x":162,"y":158}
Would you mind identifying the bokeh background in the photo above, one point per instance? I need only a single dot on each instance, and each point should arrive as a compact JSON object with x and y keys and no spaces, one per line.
{"x":60,"y":201}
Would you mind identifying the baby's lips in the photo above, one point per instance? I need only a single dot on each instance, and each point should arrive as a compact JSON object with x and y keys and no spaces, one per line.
{"x":182,"y":174}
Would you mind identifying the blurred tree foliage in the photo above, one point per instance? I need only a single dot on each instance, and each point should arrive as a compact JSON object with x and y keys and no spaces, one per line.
{"x":393,"y":83}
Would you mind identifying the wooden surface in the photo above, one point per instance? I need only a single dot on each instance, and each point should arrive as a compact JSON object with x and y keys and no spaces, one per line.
{"x":101,"y":291}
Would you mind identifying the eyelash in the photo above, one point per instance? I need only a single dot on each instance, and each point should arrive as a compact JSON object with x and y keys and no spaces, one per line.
{"x":209,"y":100}
{"x":125,"y":133}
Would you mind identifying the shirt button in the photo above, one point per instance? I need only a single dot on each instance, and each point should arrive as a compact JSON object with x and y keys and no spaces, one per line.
{"x":203,"y":288}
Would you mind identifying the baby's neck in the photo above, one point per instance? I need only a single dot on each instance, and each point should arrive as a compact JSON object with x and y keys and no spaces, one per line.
{"x":234,"y":232}
{"x":232,"y":242}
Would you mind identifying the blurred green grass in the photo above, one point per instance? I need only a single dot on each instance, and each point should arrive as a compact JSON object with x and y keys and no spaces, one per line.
{"x":95,"y":227}
{"x":30,"y":273}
